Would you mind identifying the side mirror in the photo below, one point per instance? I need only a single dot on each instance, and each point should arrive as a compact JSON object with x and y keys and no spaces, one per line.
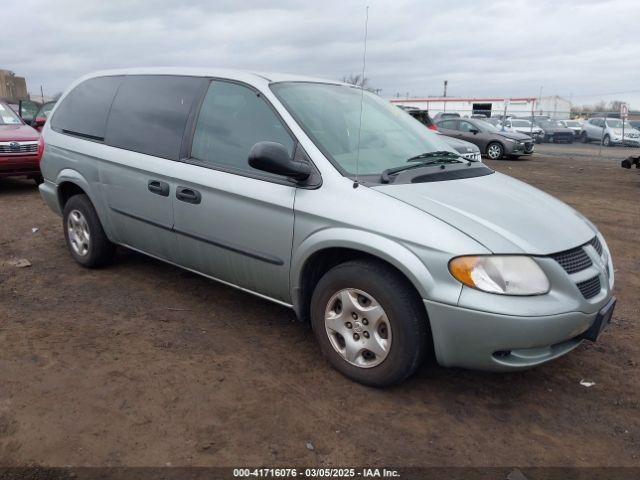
{"x":38,"y":122}
{"x":475,"y":131}
{"x":274,"y":158}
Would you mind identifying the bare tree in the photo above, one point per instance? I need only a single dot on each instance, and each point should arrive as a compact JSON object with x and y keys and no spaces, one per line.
{"x":357,"y":80}
{"x":615,"y":105}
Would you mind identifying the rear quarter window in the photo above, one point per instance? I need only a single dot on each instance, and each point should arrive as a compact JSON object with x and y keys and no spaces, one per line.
{"x":84,"y":110}
{"x":150,"y":112}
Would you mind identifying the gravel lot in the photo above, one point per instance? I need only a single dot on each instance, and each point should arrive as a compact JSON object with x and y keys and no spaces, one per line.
{"x":145,"y":364}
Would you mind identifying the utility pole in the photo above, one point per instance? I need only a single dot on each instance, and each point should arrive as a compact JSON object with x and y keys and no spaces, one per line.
{"x":445,"y":88}
{"x":540,"y":98}
{"x":41,"y":94}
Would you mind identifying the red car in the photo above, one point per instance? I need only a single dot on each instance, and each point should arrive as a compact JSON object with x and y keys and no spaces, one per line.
{"x":20,"y":147}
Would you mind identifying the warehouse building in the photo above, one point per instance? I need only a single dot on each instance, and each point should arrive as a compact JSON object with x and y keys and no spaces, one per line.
{"x":12,"y":87}
{"x":554,"y":106}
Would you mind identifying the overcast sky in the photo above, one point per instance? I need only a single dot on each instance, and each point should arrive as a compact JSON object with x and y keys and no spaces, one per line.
{"x":585,"y":50}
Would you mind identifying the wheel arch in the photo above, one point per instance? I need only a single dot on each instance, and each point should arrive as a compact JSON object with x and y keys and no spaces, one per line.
{"x":328,"y":248}
{"x":71,"y":182}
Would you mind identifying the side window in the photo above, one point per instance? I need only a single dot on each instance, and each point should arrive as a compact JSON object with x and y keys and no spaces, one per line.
{"x":233,"y":118}
{"x":448,"y":124}
{"x":150,"y":112}
{"x":84,"y":110}
{"x":466,"y":127}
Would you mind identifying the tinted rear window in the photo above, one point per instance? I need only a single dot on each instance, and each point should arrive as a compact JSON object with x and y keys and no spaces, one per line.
{"x":84,"y":110}
{"x":150,"y":112}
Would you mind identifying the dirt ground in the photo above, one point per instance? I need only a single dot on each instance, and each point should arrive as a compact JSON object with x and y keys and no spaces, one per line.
{"x":145,"y":364}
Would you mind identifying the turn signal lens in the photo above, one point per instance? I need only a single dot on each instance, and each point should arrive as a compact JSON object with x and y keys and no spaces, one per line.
{"x":501,"y":274}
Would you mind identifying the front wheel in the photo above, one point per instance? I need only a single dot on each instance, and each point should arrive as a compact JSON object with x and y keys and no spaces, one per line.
{"x":495,"y":151}
{"x":584,"y":138}
{"x":370,"y":323}
{"x":606,"y":141}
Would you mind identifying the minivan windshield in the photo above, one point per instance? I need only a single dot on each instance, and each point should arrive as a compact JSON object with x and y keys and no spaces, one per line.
{"x":8,"y":116}
{"x":389,"y":138}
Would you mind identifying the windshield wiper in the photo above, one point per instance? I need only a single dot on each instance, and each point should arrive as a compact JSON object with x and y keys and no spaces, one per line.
{"x":422,"y":160}
{"x":437,"y":154}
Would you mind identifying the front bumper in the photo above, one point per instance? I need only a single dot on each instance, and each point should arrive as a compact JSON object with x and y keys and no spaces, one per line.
{"x":631,"y":142}
{"x":19,"y":165}
{"x":524,"y":148}
{"x":494,"y":342}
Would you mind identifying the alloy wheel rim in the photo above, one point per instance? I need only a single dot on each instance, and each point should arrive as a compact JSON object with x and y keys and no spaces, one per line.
{"x":494,"y":151}
{"x":358,"y":328}
{"x":79,"y":236}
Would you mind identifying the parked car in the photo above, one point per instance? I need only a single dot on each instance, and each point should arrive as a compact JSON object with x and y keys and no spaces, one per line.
{"x":387,"y":241}
{"x":467,"y":150}
{"x":609,"y":132}
{"x":522,"y":126}
{"x":442,"y":115}
{"x":574,"y":125}
{"x":554,"y":131}
{"x":423,"y":117}
{"x":41,"y":115}
{"x":20,"y":146}
{"x":635,"y":124}
{"x":492,"y":141}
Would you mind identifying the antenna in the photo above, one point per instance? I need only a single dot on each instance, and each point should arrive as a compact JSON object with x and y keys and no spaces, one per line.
{"x":364,"y":65}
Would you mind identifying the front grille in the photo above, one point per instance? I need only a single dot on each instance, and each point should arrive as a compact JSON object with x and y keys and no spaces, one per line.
{"x":22,"y":148}
{"x":573,"y":260}
{"x":597,"y":245}
{"x":589,"y":288}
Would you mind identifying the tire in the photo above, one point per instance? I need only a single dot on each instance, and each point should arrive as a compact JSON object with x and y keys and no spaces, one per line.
{"x":403,"y":321}
{"x":83,"y":232}
{"x":584,"y":138}
{"x":495,"y":150}
{"x":38,"y":179}
{"x":606,"y":141}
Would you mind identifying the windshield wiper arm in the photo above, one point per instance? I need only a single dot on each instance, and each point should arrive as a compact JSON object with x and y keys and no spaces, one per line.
{"x":422,"y":160}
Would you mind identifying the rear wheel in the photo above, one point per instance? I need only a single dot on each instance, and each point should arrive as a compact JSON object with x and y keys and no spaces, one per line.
{"x":369,"y":322}
{"x":86,"y":240}
{"x":495,"y":151}
{"x":584,"y":138}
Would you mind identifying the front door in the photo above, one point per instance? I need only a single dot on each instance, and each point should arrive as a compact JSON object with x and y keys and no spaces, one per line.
{"x":233,"y":222}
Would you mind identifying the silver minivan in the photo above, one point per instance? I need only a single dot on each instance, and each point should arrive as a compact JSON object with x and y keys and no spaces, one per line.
{"x":331,"y":201}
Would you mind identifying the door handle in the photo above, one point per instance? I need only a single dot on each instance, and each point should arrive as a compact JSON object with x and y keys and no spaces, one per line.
{"x":188,"y":195}
{"x":158,"y":187}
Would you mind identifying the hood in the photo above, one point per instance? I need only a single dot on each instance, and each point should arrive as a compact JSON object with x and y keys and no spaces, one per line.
{"x":459,"y":145}
{"x":503,"y":214}
{"x":17,"y":133}
{"x":513,"y":135}
{"x":551,"y":129}
{"x":618,"y":131}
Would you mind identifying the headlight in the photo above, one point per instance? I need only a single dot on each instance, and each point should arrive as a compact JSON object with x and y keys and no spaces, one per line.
{"x":502,"y":274}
